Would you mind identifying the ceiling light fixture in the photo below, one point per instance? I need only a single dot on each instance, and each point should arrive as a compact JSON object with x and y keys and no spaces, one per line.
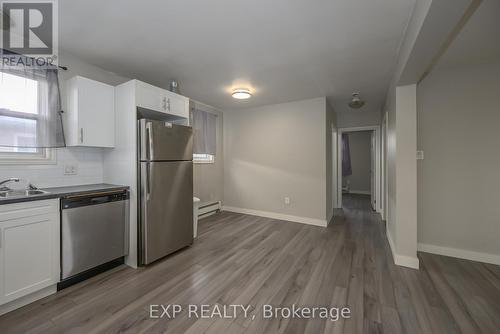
{"x":241,"y":94}
{"x":356,"y":102}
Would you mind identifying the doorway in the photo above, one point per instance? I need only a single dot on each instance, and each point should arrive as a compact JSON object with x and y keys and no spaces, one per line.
{"x":359,"y":166}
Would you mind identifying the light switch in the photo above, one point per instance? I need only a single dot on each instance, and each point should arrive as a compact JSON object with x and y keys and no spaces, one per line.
{"x":420,"y":155}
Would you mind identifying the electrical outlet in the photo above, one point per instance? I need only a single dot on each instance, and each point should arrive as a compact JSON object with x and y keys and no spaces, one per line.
{"x":70,"y":169}
{"x":287,"y":200}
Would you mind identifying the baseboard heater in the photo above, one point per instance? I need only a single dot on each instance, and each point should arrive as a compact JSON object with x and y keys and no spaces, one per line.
{"x":208,"y":208}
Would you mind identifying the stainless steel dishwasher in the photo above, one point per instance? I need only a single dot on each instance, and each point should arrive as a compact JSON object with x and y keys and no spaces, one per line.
{"x":94,"y":234}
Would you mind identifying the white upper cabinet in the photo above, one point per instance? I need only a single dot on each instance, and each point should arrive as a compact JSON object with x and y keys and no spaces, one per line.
{"x":162,"y":100}
{"x":89,"y":117}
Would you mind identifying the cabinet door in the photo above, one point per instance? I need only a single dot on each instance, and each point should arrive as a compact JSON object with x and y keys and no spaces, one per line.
{"x":154,"y":98}
{"x":150,"y":97}
{"x":177,"y":105}
{"x":96,"y":113}
{"x":29,"y":255}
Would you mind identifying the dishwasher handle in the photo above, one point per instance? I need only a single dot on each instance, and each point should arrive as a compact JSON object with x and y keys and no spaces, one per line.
{"x":99,"y":200}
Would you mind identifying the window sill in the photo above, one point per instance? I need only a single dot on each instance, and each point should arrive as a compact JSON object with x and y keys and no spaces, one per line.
{"x":204,"y":162}
{"x":47,"y":157}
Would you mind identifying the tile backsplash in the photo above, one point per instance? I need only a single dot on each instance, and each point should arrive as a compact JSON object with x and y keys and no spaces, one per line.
{"x":88,"y":162}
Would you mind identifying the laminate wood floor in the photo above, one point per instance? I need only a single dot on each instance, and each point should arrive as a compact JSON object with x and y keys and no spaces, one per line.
{"x":241,"y":259}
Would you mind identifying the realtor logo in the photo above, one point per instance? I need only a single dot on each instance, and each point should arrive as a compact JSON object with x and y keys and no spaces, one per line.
{"x":30,"y":27}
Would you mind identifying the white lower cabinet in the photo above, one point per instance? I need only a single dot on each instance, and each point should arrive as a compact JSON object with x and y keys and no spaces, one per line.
{"x":29,"y":248}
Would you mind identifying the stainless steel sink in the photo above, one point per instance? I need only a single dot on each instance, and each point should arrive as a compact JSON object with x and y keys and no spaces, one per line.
{"x":22,"y":193}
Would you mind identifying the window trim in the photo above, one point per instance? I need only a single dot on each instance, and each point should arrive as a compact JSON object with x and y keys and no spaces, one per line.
{"x":47,"y":156}
{"x":44,"y":156}
{"x":204,"y":161}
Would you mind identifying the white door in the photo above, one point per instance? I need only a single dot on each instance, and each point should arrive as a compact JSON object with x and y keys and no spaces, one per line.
{"x":29,"y":255}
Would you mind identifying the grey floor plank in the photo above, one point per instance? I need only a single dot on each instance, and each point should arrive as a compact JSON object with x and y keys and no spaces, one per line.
{"x":242,"y":259}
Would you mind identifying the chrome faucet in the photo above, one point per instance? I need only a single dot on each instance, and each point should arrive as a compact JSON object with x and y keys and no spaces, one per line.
{"x":5,"y":188}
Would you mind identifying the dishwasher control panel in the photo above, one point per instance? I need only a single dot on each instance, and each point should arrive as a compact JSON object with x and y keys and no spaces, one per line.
{"x":93,"y":199}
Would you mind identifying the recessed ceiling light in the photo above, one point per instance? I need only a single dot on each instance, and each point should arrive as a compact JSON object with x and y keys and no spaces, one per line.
{"x":241,"y":94}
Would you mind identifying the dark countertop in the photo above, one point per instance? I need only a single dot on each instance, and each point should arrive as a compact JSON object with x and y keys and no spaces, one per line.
{"x":59,"y":192}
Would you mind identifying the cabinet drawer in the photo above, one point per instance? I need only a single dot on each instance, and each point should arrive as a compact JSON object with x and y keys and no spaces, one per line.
{"x":28,"y":209}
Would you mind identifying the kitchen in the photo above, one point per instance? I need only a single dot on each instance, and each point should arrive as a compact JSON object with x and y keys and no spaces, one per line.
{"x":176,"y":167}
{"x":95,"y":224}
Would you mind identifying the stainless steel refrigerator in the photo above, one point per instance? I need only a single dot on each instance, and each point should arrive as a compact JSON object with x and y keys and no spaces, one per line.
{"x":166,"y":189}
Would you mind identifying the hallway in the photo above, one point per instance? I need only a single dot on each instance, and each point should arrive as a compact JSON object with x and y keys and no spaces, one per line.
{"x":249,"y":260}
{"x":356,"y":202}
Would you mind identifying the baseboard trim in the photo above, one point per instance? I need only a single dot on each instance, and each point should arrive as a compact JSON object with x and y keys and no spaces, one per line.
{"x":460,"y":253}
{"x":401,"y":260}
{"x":280,"y":216}
{"x":330,"y":217}
{"x":28,"y":299}
{"x":360,"y":192}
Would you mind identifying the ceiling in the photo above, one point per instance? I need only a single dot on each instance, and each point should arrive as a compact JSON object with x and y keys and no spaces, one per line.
{"x":478,"y":41}
{"x":282,"y":50}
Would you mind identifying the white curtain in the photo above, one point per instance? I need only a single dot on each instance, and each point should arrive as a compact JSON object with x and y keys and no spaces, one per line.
{"x":204,"y":132}
{"x":30,"y":105}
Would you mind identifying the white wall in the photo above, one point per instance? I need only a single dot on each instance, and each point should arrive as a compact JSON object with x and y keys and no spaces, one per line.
{"x":360,"y":151}
{"x":431,"y":26}
{"x":277,"y":151}
{"x":401,"y":134}
{"x":458,"y":181}
{"x":356,"y":118}
{"x":88,"y":160}
{"x":209,"y":178}
{"x":402,"y":175}
{"x":406,"y":171}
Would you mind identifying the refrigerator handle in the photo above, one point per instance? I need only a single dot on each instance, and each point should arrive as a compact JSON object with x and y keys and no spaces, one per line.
{"x":148,"y":180}
{"x":149,"y":144}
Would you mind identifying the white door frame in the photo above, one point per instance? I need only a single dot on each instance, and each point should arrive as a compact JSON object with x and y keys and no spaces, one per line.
{"x":383,"y":171}
{"x":375,"y":128}
{"x":335,"y":170}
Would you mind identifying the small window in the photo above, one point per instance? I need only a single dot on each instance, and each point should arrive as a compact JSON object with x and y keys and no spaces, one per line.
{"x":204,"y":136}
{"x":203,"y":158}
{"x":19,"y":115}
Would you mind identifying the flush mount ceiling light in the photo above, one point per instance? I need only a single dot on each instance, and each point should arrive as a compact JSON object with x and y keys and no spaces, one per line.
{"x":241,"y":94}
{"x":356,"y":101}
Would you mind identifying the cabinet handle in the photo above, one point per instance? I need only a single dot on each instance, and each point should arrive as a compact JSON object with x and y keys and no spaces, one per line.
{"x":81,"y":135}
{"x":168,"y":104}
{"x":164,"y":106}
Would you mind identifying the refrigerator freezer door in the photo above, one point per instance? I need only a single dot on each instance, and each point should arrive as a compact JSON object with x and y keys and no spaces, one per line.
{"x":163,"y":141}
{"x":166,"y":208}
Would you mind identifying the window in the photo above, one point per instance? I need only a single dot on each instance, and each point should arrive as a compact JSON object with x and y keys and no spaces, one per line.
{"x":19,"y":99}
{"x":203,"y":158}
{"x":204,"y":136}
